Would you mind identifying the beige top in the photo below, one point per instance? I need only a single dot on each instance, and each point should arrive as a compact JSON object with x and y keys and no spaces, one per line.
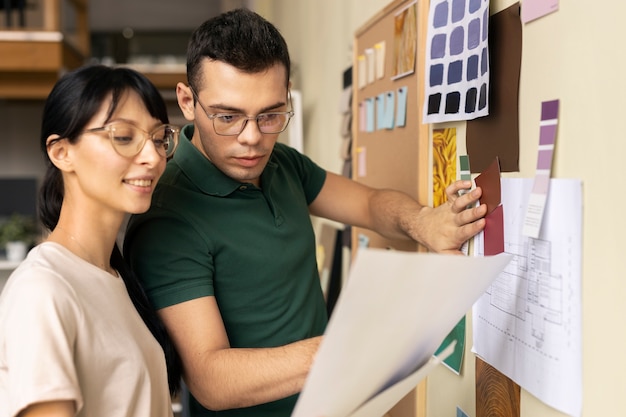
{"x":68,"y":330}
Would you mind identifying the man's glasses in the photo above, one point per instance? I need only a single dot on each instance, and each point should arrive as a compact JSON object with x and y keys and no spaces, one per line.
{"x":128,"y":140}
{"x":232,"y":124}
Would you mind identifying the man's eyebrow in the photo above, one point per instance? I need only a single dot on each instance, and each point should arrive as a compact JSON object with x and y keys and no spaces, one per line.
{"x":226,"y":108}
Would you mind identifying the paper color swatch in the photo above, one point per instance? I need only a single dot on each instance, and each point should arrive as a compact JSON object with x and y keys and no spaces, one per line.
{"x":534,"y":9}
{"x":489,"y":182}
{"x":498,"y":133}
{"x":401,"y":111}
{"x":457,"y":61}
{"x":539,"y":194}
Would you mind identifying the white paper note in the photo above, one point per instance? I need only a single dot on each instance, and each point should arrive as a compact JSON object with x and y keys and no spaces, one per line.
{"x":391,"y":316}
{"x":528,"y":323}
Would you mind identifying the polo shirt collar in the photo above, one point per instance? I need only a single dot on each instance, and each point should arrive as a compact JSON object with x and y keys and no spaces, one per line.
{"x":206,"y":176}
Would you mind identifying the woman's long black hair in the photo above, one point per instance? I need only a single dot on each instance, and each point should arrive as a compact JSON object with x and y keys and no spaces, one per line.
{"x":72,"y":103}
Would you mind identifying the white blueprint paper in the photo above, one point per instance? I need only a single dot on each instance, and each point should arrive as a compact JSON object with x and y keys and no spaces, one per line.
{"x":391,"y":316}
{"x":528,"y":323}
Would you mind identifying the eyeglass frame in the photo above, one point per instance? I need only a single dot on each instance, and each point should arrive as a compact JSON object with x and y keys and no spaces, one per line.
{"x":107,"y":128}
{"x":213,"y":116}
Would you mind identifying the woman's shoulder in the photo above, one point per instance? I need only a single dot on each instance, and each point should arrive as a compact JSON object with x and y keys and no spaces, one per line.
{"x":41,"y":270}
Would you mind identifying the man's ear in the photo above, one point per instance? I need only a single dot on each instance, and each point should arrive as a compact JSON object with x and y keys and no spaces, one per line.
{"x":59,"y":152}
{"x":185,"y":101}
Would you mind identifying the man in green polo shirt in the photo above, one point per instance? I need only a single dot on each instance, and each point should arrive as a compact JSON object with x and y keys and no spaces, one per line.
{"x":227,"y":251}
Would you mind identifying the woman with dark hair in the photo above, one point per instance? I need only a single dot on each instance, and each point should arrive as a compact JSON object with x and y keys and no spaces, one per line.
{"x":77,"y":333}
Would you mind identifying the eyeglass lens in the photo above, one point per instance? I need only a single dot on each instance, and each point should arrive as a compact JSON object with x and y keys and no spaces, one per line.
{"x":233,"y":124}
{"x":129,"y":140}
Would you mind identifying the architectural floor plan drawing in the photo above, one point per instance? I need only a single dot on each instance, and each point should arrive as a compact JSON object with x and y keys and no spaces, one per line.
{"x":528,"y":322}
{"x":529,"y":291}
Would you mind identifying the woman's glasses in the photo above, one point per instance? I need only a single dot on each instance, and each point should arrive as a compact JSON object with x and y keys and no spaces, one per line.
{"x":128,"y":140}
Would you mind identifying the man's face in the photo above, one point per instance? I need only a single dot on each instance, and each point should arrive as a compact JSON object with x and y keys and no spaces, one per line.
{"x":226,"y":90}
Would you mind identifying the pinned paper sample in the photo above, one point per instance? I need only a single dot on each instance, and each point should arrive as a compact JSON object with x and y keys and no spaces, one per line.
{"x":444,"y":163}
{"x":534,"y":9}
{"x":361,"y":161}
{"x":363,"y":116}
{"x":385,"y":110}
{"x":379,"y":53}
{"x":390,"y":106}
{"x":362,"y":71}
{"x":539,"y":195}
{"x":456,"y":337}
{"x":489,"y":181}
{"x":380,"y":111}
{"x":528,"y":323}
{"x":457,"y":61}
{"x":492,"y":235}
{"x":494,"y":232}
{"x":370,"y":114}
{"x":401,"y":111}
{"x":370,"y":60}
{"x":498,"y":133}
{"x":405,"y":41}
{"x":465,"y":174}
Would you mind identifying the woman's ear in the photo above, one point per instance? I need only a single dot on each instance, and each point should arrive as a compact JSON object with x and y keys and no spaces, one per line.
{"x":185,"y":101}
{"x":58,"y":152}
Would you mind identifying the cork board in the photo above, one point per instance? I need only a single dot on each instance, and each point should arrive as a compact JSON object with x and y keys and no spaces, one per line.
{"x":395,"y":157}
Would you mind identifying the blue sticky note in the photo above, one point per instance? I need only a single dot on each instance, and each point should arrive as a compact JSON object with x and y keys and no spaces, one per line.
{"x":380,"y":111}
{"x":401,"y":111}
{"x":370,"y":104}
{"x":390,"y":101}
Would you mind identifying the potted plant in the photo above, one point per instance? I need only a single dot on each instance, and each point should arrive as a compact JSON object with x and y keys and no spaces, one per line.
{"x":17,"y":234}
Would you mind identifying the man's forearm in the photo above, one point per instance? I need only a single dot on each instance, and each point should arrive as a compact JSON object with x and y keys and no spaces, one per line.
{"x":393,"y":215}
{"x":396,"y":215}
{"x":240,"y":377}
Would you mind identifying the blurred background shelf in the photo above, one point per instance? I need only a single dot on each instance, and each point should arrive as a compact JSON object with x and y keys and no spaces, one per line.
{"x":42,"y":39}
{"x":52,"y":36}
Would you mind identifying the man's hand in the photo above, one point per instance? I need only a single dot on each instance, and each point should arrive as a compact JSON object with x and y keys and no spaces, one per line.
{"x":396,"y":215}
{"x":445,"y":228}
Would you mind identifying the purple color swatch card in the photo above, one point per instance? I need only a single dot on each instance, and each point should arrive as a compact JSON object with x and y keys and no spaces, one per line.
{"x":545,"y":153}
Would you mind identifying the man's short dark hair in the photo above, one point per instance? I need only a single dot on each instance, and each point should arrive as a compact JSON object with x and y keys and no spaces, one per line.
{"x":240,"y":38}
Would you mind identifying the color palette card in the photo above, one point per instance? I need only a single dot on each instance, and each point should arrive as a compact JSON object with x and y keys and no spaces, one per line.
{"x":493,"y":234}
{"x":465,"y":174}
{"x":457,"y":61}
{"x":539,"y":194}
{"x":489,"y":182}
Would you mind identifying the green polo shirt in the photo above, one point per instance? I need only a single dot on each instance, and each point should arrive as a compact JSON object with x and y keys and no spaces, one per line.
{"x":252,"y":248}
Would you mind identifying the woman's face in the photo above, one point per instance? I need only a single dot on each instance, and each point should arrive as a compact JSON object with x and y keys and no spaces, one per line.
{"x":103,"y":179}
